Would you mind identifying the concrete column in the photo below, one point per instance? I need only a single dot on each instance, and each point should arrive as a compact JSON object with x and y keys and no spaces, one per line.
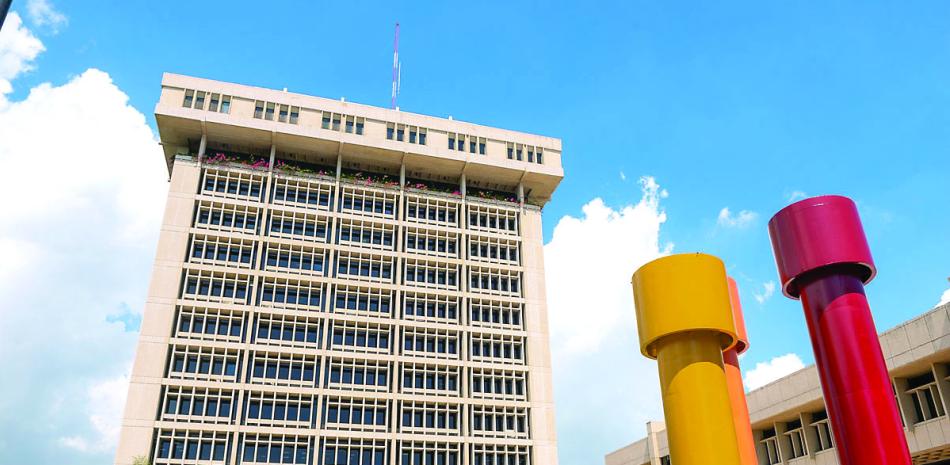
{"x":462,"y":183}
{"x":202,"y":146}
{"x":273,"y":157}
{"x":339,"y":166}
{"x":402,"y":175}
{"x":521,"y":192}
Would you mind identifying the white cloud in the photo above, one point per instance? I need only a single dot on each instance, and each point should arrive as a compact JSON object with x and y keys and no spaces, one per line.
{"x":796,"y":195}
{"x":86,"y":184}
{"x":623,"y":177}
{"x":743,"y":219}
{"x":768,"y":289}
{"x":104,"y":402}
{"x":18,"y":48}
{"x":766,"y":372}
{"x":44,"y":15}
{"x":945,"y":298}
{"x":605,"y":390}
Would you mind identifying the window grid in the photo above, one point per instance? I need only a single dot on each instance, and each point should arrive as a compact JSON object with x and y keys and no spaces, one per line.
{"x":431,"y":274}
{"x":303,"y":193}
{"x":360,"y":337}
{"x":182,"y":447}
{"x":209,"y":324}
{"x":494,"y":281}
{"x":499,"y":454}
{"x":358,"y":374}
{"x":795,"y":438}
{"x":429,"y":453}
{"x":432,"y":210}
{"x":496,"y":314}
{"x":420,"y":306}
{"x":226,"y":217}
{"x":353,"y":451}
{"x":493,"y":219}
{"x":232,"y":184}
{"x":229,"y":251}
{"x":197,"y":405}
{"x":490,"y":383}
{"x":925,"y":398}
{"x":364,"y":266}
{"x":430,"y":342}
{"x":497,"y":348}
{"x":366,"y":234}
{"x":493,"y":250}
{"x":215,"y":286}
{"x":288,"y":331}
{"x":343,"y":413}
{"x":279,"y":409}
{"x":429,"y":417}
{"x":498,"y":421}
{"x":296,"y":225}
{"x":358,"y":300}
{"x":275,"y":448}
{"x":368,"y":202}
{"x":295,"y":259}
{"x":823,"y":429}
{"x":432,"y":242}
{"x":291,"y":294}
{"x":429,"y":380}
{"x":770,"y":443}
{"x":203,"y":363}
{"x":283,"y":369}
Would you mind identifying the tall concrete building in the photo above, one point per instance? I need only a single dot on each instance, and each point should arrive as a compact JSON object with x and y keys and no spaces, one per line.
{"x":340,"y":284}
{"x":788,"y":416}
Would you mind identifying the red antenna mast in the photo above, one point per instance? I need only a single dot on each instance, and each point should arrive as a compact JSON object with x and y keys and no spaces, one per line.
{"x":397,"y":68}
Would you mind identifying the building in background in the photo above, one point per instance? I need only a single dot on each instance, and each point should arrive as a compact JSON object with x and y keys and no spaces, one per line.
{"x":340,"y":284}
{"x":788,"y":416}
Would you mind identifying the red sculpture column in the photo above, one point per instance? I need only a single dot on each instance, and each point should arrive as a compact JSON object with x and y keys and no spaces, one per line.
{"x":823,"y":258}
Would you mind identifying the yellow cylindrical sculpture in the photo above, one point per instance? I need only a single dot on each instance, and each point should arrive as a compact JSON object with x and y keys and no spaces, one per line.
{"x":730,"y":359}
{"x":685,"y":322}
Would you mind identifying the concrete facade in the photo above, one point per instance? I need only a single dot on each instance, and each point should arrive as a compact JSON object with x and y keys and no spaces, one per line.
{"x":788,"y":416}
{"x":342,"y":284}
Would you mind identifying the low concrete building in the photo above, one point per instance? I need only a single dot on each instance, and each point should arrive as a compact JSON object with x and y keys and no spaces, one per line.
{"x":790,"y":423}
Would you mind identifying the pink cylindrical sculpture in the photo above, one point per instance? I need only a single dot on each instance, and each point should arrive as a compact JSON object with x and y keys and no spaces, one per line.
{"x":823,"y":258}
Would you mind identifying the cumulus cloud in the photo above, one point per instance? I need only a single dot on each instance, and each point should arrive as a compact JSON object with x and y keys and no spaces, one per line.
{"x":741,"y":220}
{"x":43,"y":14}
{"x":945,"y":298}
{"x":623,"y":177}
{"x":768,"y":289}
{"x":18,"y":48}
{"x":605,"y":391}
{"x":766,"y":372}
{"x":86,"y":184}
{"x":796,"y":195}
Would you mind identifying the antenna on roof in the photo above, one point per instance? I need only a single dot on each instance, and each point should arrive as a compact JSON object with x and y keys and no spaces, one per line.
{"x":397,"y":68}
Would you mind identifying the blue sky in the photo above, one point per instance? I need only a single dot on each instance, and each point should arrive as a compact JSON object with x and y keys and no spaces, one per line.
{"x":670,"y":112}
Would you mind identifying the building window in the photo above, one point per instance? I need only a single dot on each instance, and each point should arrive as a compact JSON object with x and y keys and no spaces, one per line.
{"x":511,"y":151}
{"x":390,"y":131}
{"x":199,"y":100}
{"x":925,"y":397}
{"x":269,"y":111}
{"x":770,"y":445}
{"x":430,"y":380}
{"x":422,"y":136}
{"x":226,"y":104}
{"x":214,"y":102}
{"x":360,"y":122}
{"x":518,"y":154}
{"x":540,"y":161}
{"x":400,"y":133}
{"x":353,"y":452}
{"x":279,"y":409}
{"x":175,"y":445}
{"x":189,"y":98}
{"x":275,"y":448}
{"x":258,"y":109}
{"x":461,"y":143}
{"x":349,"y":124}
{"x":412,"y":134}
{"x":481,"y":146}
{"x":432,"y":453}
{"x":336,"y":122}
{"x":795,"y":438}
{"x":823,"y":431}
{"x":362,"y":414}
{"x":325,"y":121}
{"x":294,"y":115}
{"x":451,"y":142}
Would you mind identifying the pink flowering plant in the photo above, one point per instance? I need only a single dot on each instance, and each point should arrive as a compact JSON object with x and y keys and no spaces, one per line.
{"x":370,"y":179}
{"x":248,"y":161}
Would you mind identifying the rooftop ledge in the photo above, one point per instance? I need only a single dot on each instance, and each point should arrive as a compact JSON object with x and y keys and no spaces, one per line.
{"x":306,"y":140}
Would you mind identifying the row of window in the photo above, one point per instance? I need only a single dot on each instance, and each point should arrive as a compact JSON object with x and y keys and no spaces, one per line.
{"x":192,"y":447}
{"x":318,"y":195}
{"x":201,"y":363}
{"x":340,"y":122}
{"x":403,"y":133}
{"x":525,"y":153}
{"x":227,"y":325}
{"x":295,"y":410}
{"x":216,"y":102}
{"x":285,"y":113}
